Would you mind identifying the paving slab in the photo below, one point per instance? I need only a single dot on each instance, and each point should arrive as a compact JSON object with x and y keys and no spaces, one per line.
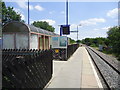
{"x":77,"y":72}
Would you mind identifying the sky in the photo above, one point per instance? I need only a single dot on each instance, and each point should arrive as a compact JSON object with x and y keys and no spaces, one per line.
{"x":92,"y":18}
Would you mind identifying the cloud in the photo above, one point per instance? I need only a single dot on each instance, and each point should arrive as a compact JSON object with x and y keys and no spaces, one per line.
{"x":31,"y":7}
{"x":21,"y":4}
{"x":22,"y":16}
{"x":100,"y":29}
{"x":73,"y":36}
{"x":39,"y":8}
{"x":93,"y":33}
{"x":24,"y":5}
{"x":31,"y":21}
{"x":95,"y":29}
{"x":62,"y":12}
{"x":113,"y":13}
{"x":51,"y":12}
{"x":51,"y":22}
{"x":64,"y":1}
{"x":73,"y":26}
{"x":19,"y":12}
{"x":98,"y":32}
{"x":88,"y":32}
{"x":92,"y":21}
{"x":106,"y":28}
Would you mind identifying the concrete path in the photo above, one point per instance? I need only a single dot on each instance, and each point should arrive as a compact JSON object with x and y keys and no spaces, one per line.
{"x":77,"y":72}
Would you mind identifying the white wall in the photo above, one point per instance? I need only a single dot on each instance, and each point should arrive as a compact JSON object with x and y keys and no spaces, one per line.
{"x":8,"y":41}
{"x":34,"y":41}
{"x":21,"y":41}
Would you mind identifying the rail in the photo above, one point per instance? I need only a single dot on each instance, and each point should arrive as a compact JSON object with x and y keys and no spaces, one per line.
{"x":109,"y":72}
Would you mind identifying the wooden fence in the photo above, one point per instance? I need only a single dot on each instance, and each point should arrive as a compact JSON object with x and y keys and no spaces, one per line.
{"x":71,"y":49}
{"x":26,"y":68}
{"x":62,"y":54}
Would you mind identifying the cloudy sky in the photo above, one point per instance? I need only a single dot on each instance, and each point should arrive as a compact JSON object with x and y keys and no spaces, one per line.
{"x":94,"y":17}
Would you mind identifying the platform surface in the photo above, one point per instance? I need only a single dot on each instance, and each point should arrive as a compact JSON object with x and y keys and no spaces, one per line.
{"x":77,"y":72}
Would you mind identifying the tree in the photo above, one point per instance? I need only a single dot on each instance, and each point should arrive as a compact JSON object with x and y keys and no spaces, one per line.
{"x":87,"y":41}
{"x":78,"y":41}
{"x":44,"y":25}
{"x":94,"y":42}
{"x":107,"y":42}
{"x":8,"y":14}
{"x":71,"y":41}
{"x":114,"y":39}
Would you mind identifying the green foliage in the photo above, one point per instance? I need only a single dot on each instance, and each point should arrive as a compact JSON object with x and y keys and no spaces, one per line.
{"x":72,"y":41}
{"x":93,"y":45}
{"x":78,"y":41}
{"x":93,"y":41}
{"x":8,"y":14}
{"x":44,"y":25}
{"x":107,"y":42}
{"x":111,"y":44}
{"x":114,"y":40}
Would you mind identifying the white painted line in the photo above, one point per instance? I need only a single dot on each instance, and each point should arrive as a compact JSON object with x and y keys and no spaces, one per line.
{"x":95,"y":73}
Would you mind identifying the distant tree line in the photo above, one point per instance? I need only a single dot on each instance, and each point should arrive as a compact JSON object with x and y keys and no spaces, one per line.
{"x":72,"y":41}
{"x":44,"y":25}
{"x":111,"y":44}
{"x":94,"y":42}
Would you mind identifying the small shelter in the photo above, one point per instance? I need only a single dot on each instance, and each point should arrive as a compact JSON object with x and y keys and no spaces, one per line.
{"x":18,"y":35}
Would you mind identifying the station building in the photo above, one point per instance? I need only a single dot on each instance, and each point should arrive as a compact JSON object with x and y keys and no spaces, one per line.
{"x":18,"y":35}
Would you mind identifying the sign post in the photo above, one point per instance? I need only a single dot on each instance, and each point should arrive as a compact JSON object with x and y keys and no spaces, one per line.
{"x":59,"y":42}
{"x":59,"y":46}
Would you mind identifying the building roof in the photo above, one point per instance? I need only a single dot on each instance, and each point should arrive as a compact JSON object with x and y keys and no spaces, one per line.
{"x":16,"y":26}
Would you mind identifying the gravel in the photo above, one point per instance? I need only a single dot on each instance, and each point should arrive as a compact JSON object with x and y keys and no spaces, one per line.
{"x":110,"y":59}
{"x":111,"y":76}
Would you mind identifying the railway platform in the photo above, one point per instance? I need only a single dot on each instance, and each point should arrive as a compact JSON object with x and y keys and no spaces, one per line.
{"x":77,"y":72}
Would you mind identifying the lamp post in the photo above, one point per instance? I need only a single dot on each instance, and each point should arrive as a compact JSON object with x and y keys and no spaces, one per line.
{"x":66,"y":12}
{"x":77,"y":30}
{"x":28,"y":13}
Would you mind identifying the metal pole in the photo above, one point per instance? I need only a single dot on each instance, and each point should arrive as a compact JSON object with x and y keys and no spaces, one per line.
{"x":66,"y":12}
{"x":66,"y":20}
{"x":28,"y":13}
{"x":61,"y":30}
{"x":77,"y":32}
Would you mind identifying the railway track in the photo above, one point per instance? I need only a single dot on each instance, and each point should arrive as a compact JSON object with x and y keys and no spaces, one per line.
{"x":109,"y":72}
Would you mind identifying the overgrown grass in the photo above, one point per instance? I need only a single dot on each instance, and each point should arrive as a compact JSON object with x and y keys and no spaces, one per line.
{"x":94,"y":46}
{"x":108,"y":52}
